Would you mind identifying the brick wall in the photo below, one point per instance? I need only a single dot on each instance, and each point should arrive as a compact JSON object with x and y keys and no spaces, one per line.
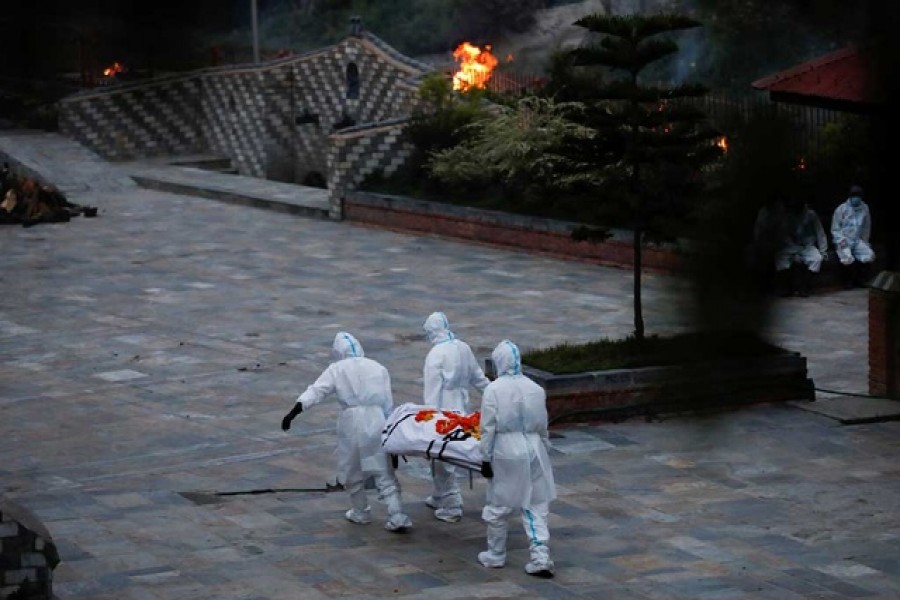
{"x":599,"y":405}
{"x":27,"y":554}
{"x":884,"y":343}
{"x":359,"y":152}
{"x":545,"y":236}
{"x":151,"y":119}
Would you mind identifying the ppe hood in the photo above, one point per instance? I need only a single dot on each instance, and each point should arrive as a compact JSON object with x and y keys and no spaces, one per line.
{"x":346,"y":346}
{"x":507,"y":360}
{"x":437,"y":328}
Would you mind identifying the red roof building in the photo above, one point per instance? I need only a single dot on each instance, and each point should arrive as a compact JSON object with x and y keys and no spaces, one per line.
{"x":843,"y":80}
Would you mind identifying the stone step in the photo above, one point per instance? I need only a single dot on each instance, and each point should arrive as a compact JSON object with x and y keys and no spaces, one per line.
{"x":219,"y":164}
{"x":235,"y":189}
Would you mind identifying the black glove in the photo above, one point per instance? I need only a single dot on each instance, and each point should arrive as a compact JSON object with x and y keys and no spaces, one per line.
{"x":486,"y":470}
{"x":286,"y":421}
{"x":395,"y":461}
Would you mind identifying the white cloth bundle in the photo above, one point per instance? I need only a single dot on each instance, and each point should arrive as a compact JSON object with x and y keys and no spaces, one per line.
{"x":419,"y":430}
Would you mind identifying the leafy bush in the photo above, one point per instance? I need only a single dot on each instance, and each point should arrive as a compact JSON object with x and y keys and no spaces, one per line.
{"x":844,"y":157}
{"x":438,"y":123}
{"x":522,"y":148}
{"x":651,"y":351}
{"x":441,"y":118}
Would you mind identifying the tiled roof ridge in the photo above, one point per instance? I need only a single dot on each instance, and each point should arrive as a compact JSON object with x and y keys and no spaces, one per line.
{"x":266,"y":65}
{"x":803,"y":68}
{"x":395,"y":54}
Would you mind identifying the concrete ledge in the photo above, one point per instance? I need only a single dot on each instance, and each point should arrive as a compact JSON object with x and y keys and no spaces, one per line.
{"x":599,"y":395}
{"x":317,"y":208}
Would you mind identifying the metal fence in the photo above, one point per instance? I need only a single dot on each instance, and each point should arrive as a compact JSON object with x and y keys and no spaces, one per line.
{"x":515,"y":83}
{"x":724,"y":110}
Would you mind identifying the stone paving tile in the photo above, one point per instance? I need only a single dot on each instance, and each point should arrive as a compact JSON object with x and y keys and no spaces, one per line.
{"x":229,"y":312}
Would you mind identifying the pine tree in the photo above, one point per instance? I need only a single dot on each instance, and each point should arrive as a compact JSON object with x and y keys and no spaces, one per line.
{"x":647,"y":156}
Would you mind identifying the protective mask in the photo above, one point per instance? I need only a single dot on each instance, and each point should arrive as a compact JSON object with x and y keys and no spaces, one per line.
{"x":855,"y":201}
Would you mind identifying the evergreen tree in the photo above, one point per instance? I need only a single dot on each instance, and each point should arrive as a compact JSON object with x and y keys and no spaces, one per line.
{"x":649,"y":150}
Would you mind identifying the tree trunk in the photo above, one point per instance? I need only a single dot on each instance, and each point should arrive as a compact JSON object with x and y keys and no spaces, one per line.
{"x":638,"y":310}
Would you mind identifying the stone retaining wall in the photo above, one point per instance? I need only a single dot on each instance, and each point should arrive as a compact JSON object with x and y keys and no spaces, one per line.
{"x":652,"y":390}
{"x":276,"y":120}
{"x":357,"y":152}
{"x":153,"y":119}
{"x":544,"y":236}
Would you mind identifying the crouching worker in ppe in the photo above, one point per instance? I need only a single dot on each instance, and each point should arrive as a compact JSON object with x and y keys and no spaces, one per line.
{"x":804,"y":249}
{"x":363,"y":389}
{"x":450,"y":368}
{"x":851,"y":226}
{"x":514,"y":445}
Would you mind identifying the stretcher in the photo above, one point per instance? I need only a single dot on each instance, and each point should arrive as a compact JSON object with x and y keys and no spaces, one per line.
{"x":450,"y":436}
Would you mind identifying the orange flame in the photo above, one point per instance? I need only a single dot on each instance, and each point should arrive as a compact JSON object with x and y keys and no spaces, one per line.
{"x":475,"y":66}
{"x":722,"y":143}
{"x":113,"y":70}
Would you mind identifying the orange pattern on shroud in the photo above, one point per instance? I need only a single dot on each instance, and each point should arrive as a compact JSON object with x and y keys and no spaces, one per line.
{"x":449,"y":421}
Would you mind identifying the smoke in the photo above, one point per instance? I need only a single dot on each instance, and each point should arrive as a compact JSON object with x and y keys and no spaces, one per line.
{"x":743,"y":40}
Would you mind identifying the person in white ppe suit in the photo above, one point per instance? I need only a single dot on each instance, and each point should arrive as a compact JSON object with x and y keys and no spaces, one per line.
{"x":805,"y":244}
{"x":362,"y":386}
{"x":450,"y":368}
{"x":514,"y":447}
{"x":851,"y":226}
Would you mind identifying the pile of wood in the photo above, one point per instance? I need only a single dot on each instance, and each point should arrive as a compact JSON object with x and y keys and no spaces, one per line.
{"x":23,"y":201}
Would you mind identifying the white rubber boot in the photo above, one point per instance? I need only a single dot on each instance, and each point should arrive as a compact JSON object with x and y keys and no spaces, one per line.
{"x":540,"y":564}
{"x":448,"y":515}
{"x":360,"y":517}
{"x":360,"y":512}
{"x":495,"y":556}
{"x":397,"y":520}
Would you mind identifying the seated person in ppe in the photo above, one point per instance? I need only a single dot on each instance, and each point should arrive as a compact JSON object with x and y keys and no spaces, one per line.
{"x":768,"y":234}
{"x":805,"y":244}
{"x":514,"y":444}
{"x":450,"y":368}
{"x":851,"y":226}
{"x":363,"y":388}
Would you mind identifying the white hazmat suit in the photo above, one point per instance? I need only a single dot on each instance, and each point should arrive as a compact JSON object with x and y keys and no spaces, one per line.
{"x":515,"y":441}
{"x":450,"y":368}
{"x":363,"y":388}
{"x":805,"y":242}
{"x":851,"y":226}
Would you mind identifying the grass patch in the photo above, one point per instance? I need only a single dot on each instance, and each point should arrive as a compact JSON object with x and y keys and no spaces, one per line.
{"x":652,"y":351}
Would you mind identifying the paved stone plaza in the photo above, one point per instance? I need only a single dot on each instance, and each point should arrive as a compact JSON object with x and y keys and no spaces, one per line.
{"x":151,"y":352}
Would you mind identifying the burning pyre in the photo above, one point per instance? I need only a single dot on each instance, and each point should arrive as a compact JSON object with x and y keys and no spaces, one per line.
{"x":475,"y":66}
